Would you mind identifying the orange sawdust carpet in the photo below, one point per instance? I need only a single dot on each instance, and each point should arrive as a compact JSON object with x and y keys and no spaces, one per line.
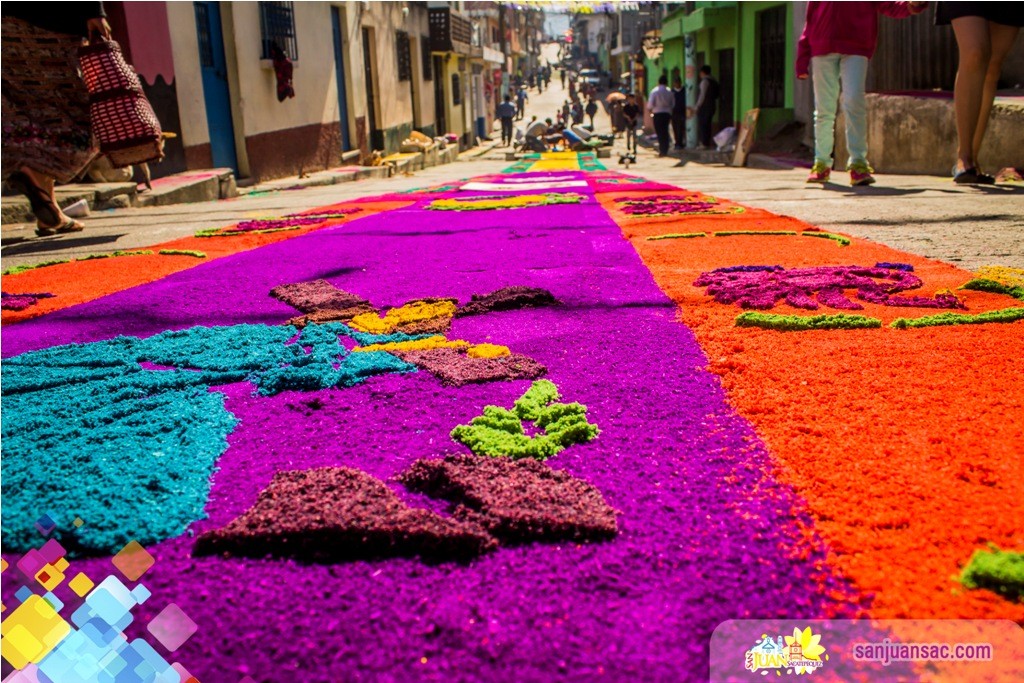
{"x":905,"y":443}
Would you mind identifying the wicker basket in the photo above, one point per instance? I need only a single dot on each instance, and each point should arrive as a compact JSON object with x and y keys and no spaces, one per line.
{"x":122,"y":118}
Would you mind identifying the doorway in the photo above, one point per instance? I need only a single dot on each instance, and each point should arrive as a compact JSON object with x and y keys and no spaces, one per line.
{"x":439,"y":117}
{"x":376,"y":135}
{"x":339,"y":76}
{"x":726,"y":87}
{"x":216,"y":95}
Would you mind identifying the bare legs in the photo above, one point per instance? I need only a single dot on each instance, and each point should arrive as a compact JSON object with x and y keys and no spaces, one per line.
{"x":1001,"y":39}
{"x":39,"y":190}
{"x":983,"y":46}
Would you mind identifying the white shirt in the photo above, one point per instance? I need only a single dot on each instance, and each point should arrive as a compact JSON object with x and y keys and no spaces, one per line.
{"x":661,"y":100}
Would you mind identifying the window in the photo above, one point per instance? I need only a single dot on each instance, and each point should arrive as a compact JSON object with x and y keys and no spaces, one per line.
{"x":426,"y":58}
{"x":456,"y":90}
{"x":404,"y":56}
{"x":277,"y":27}
{"x":772,"y":84}
{"x":203,"y":33}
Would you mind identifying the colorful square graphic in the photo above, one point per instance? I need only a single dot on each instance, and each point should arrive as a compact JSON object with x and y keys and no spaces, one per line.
{"x":172,"y":627}
{"x":133,"y":561}
{"x":81,"y":584}
{"x":31,"y":632}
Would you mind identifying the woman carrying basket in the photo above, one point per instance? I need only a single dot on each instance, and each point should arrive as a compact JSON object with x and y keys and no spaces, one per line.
{"x":47,"y":135}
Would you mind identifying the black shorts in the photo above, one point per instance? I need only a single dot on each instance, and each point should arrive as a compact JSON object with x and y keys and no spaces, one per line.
{"x":1006,"y":13}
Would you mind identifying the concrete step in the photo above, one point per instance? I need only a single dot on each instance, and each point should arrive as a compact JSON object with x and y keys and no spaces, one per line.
{"x":99,"y":196}
{"x":190,"y":187}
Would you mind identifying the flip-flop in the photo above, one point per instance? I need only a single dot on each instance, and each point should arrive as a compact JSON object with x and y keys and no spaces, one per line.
{"x":71,"y":225}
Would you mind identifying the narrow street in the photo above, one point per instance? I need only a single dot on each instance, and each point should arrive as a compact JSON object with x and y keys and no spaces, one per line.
{"x":517,"y":417}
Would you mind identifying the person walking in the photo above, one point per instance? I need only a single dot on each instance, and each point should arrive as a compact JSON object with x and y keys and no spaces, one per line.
{"x":577,"y":112}
{"x":506,"y":112}
{"x":521,"y":98}
{"x":837,"y":42}
{"x":631,"y":113}
{"x":591,"y":111}
{"x":47,"y":134}
{"x":566,"y":110}
{"x":661,"y":102}
{"x":985,"y":32}
{"x":562,"y":75}
{"x":679,"y":114}
{"x":707,"y":97}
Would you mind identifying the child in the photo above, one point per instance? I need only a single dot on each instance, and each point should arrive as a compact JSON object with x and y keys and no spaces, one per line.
{"x":838,"y":40}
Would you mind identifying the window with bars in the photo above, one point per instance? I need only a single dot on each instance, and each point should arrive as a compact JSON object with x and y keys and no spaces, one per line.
{"x":203,"y":33}
{"x":404,"y":56}
{"x":277,"y":27}
{"x":426,"y":58}
{"x":456,"y":90}
{"x":772,"y":83}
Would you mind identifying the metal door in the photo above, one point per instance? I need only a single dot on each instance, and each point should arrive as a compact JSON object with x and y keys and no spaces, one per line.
{"x":215,"y":85}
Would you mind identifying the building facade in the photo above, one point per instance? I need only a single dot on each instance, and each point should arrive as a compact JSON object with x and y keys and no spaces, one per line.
{"x":365,"y":75}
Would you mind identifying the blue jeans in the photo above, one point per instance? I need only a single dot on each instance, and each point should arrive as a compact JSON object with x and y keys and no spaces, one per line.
{"x":827,"y":72}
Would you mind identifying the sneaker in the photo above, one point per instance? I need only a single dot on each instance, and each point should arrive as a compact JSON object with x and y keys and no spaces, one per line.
{"x":860,"y":174}
{"x":819,"y":173}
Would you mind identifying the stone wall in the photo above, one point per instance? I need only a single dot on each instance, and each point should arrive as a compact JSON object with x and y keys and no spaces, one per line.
{"x":917,"y":135}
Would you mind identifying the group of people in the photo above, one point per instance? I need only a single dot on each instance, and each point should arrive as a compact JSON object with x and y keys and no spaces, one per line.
{"x":839,"y":39}
{"x":537,"y":77}
{"x":669,"y":110}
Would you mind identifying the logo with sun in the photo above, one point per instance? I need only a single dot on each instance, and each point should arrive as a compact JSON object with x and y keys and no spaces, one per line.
{"x":800,"y":653}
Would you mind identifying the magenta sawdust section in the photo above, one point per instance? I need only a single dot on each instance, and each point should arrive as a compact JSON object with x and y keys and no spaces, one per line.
{"x":637,"y":599}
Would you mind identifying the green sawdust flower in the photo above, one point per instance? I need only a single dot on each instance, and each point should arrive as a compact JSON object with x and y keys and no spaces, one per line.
{"x":499,"y":432}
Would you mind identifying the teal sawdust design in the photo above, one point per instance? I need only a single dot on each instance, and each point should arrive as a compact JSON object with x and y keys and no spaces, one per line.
{"x":431,"y":189}
{"x":523,"y":165}
{"x":88,"y":426}
{"x":590,"y":162}
{"x":500,"y":433}
{"x":1006,"y":315}
{"x":999,"y":571}
{"x":794,"y":323}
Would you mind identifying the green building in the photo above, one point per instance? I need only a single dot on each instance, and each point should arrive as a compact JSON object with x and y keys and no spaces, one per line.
{"x":751,"y":49}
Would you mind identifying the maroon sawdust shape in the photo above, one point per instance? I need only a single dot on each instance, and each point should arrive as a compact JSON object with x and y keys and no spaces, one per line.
{"x":338,"y":514}
{"x":517,"y":501}
{"x":455,"y":368}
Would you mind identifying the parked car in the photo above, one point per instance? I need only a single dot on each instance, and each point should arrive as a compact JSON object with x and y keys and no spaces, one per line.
{"x":591,"y":76}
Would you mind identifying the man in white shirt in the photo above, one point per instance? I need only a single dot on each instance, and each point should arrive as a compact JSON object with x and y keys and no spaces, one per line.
{"x":661,"y":103}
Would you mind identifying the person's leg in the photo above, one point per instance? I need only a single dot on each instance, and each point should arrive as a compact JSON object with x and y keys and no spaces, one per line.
{"x":678,"y":130}
{"x":975,"y":48}
{"x":661,"y":124}
{"x":38,"y":188}
{"x":1002,"y":38}
{"x":825,"y":78}
{"x":853,"y":71}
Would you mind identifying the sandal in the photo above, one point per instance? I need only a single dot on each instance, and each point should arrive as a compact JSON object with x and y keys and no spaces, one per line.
{"x":972,"y":176}
{"x":71,"y":225}
{"x":50,"y":220}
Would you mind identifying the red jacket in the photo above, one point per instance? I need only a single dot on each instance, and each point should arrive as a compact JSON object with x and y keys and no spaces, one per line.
{"x":849,"y":28}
